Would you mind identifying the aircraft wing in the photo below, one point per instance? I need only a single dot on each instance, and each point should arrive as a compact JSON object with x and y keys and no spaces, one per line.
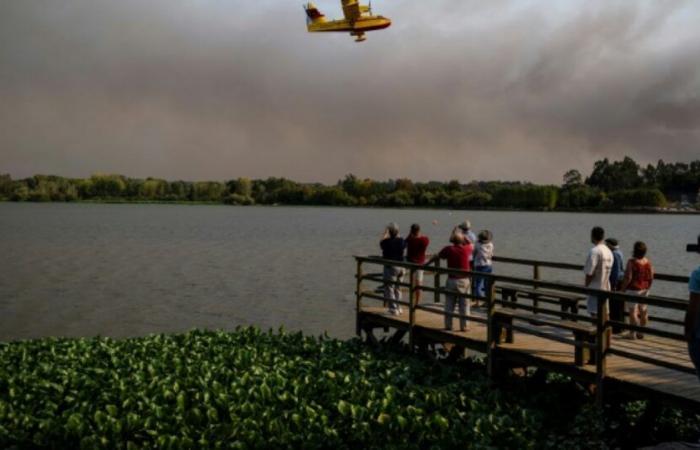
{"x":352,"y":10}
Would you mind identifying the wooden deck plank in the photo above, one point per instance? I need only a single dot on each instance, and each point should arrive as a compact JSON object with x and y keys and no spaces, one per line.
{"x":629,"y":371}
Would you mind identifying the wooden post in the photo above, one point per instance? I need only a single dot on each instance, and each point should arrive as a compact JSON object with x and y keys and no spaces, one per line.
{"x":411,"y":306}
{"x":491,"y":338}
{"x":535,"y":276}
{"x":536,"y":272}
{"x":436,"y":279}
{"x":358,"y":298}
{"x":601,"y":347}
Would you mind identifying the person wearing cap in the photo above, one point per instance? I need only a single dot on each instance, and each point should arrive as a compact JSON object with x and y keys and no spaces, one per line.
{"x":483,"y":261}
{"x":617,"y":307}
{"x":416,"y":246}
{"x":465,"y":228}
{"x":457,"y":256}
{"x":392,"y":246}
{"x":692,"y":314}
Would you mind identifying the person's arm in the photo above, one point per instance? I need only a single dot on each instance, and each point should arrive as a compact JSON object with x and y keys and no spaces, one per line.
{"x":628,"y":276}
{"x":434,"y":258}
{"x":589,"y":268}
{"x":651,"y":281}
{"x":691,"y":315}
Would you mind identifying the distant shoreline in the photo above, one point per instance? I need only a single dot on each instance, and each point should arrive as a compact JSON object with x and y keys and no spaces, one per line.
{"x":436,"y":208}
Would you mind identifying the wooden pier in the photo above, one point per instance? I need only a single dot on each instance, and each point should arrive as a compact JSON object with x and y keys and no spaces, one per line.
{"x":533,"y":323}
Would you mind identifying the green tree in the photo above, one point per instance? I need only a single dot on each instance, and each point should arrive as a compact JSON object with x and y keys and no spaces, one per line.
{"x":6,"y":186}
{"x":614,"y":176}
{"x":572,"y":178}
{"x":108,"y":186}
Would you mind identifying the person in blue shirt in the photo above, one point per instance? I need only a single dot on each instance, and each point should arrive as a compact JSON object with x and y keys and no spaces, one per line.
{"x":617,"y":307}
{"x":692,"y":315}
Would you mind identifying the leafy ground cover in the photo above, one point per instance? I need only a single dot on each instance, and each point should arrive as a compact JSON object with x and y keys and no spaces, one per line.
{"x":253,"y":389}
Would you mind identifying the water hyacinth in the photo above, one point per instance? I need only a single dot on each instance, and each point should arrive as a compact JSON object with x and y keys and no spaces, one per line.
{"x":251,"y":389}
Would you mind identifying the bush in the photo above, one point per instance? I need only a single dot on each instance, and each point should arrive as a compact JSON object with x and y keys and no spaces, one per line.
{"x":650,"y":198}
{"x":250,"y":389}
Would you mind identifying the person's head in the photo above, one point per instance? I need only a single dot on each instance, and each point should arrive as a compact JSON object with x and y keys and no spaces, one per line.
{"x":694,"y":247}
{"x":612,"y":243}
{"x":393,"y":229}
{"x":640,"y":250}
{"x":597,"y":234}
{"x":465,"y":226}
{"x":484,"y":236}
{"x":415,"y":229}
{"x":457,"y":237}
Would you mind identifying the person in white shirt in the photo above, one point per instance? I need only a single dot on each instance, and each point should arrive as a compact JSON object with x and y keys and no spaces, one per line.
{"x":598,"y":267}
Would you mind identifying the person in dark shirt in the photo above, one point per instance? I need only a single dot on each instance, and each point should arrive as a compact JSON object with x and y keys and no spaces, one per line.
{"x":692,"y":315}
{"x":617,"y":307}
{"x":393,"y":246}
{"x":416,"y":245}
{"x":458,"y":257}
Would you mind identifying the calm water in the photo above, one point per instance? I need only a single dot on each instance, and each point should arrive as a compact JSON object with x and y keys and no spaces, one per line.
{"x":125,"y":270}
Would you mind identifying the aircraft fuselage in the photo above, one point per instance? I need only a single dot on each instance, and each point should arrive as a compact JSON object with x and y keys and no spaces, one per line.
{"x":362,"y":24}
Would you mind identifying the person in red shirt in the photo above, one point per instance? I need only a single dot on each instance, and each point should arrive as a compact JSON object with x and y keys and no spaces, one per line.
{"x":416,"y":245}
{"x":457,"y":256}
{"x":639,"y":276}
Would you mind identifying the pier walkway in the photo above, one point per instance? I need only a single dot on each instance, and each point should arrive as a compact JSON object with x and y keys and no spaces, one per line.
{"x":532,"y":323}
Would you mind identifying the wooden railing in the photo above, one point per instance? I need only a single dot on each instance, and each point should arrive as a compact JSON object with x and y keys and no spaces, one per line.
{"x":505,"y":317}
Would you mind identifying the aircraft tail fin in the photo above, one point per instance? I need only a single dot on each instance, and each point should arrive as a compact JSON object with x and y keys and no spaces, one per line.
{"x":313,"y":14}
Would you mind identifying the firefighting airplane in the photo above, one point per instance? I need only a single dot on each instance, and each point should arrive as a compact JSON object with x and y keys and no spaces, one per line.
{"x":358,"y":20}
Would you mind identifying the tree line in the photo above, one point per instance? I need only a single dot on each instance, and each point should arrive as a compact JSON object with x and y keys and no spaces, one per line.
{"x":610,"y":185}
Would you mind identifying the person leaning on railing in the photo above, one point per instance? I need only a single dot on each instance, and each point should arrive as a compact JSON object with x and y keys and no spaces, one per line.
{"x":457,"y":256}
{"x":692,"y":315}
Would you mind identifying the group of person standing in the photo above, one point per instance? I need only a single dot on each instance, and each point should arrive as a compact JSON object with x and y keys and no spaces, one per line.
{"x":605,"y":270}
{"x":466,"y":251}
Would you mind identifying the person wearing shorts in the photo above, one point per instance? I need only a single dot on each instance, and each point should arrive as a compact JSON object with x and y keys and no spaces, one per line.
{"x":457,"y":256}
{"x":416,"y":246}
{"x":639,"y":275}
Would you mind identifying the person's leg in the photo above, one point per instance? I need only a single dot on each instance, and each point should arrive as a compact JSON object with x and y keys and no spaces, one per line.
{"x":419,"y":283}
{"x":449,"y":304}
{"x":634,"y":319}
{"x":478,"y":283}
{"x":397,"y":288}
{"x":617,"y":313}
{"x":464,"y":325}
{"x":643,"y":318}
{"x":462,"y":303}
{"x":643,"y":315}
{"x":388,"y":286}
{"x":694,"y":352}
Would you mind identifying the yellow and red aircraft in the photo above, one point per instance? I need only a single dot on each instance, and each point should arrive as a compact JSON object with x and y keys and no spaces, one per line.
{"x":358,"y":20}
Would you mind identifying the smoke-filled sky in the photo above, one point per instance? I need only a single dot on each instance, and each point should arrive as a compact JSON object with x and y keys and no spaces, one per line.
{"x":468,"y":89}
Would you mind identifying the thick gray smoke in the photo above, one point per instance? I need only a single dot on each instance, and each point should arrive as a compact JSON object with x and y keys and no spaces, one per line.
{"x":213,"y":89}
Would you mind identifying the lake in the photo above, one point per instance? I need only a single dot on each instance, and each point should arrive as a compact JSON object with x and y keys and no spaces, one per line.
{"x":130,"y":270}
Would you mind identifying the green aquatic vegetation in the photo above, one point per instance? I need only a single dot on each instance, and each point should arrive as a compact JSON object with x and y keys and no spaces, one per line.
{"x":253,"y":389}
